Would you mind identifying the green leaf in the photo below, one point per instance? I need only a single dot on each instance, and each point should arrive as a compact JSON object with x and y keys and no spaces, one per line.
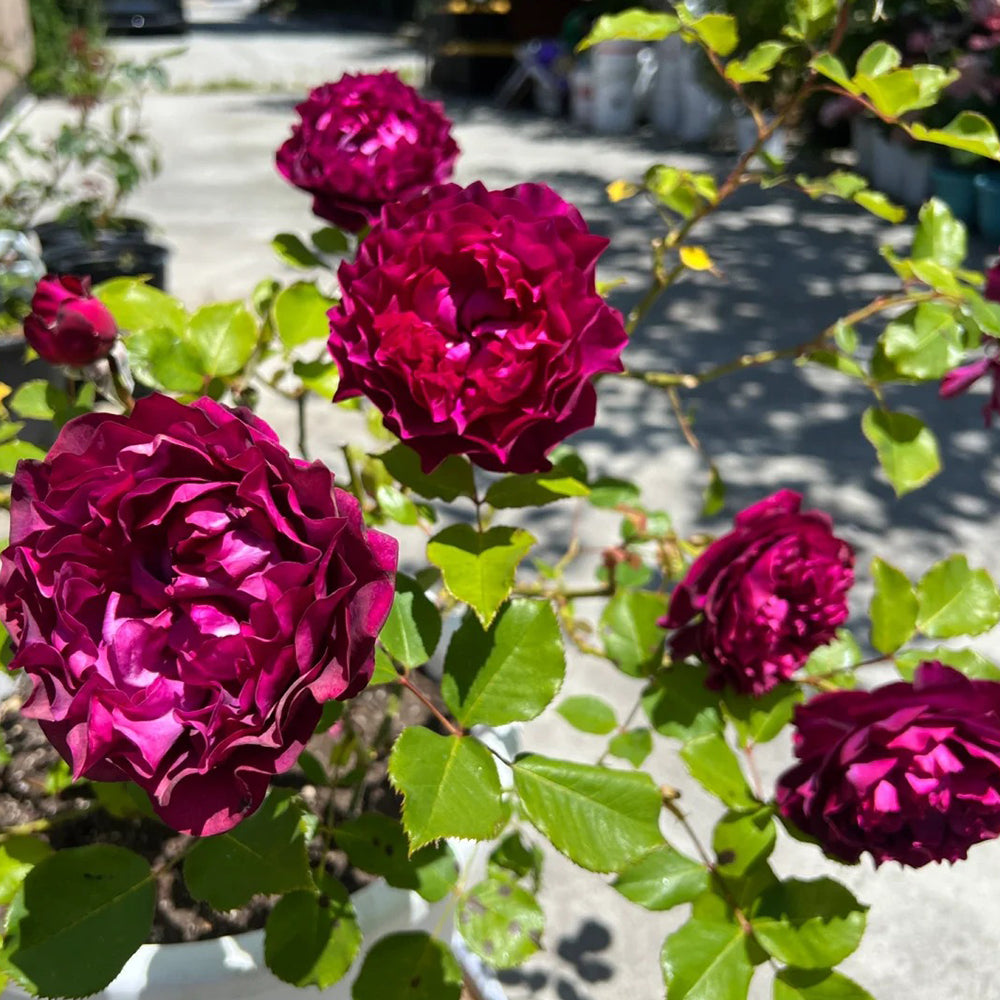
{"x":879,"y":58}
{"x":395,"y":504}
{"x":18,"y":855}
{"x":512,"y":854}
{"x":449,"y":784}
{"x":662,"y":879}
{"x":266,"y":853}
{"x":413,"y":628}
{"x":161,"y":360}
{"x":501,"y":922}
{"x":450,"y":480}
{"x":953,"y":599}
{"x":816,"y":984}
{"x":939,"y":237}
{"x":893,"y":609}
{"x":12,"y":452}
{"x":479,"y":567}
{"x":712,"y":763}
{"x":926,"y":343}
{"x":137,"y":305}
{"x":293,"y":251}
{"x":320,"y":377}
{"x":742,"y":840}
{"x":534,"y":490}
{"x":968,"y":131}
{"x":509,"y":673}
{"x":630,"y":633}
{"x":835,"y":658}
{"x":907,"y":450}
{"x":838,"y":363}
{"x":828,"y":65}
{"x":757,"y":66}
{"x":707,"y":960}
{"x":378,"y":845}
{"x":634,"y":745}
{"x":300,"y":314}
{"x":716,"y":31}
{"x":760,"y":719}
{"x":225,"y":336}
{"x":29,"y":400}
{"x":588,"y":714}
{"x":408,"y":966}
{"x":809,"y":924}
{"x":385,"y":672}
{"x":77,"y":918}
{"x":678,"y":704}
{"x":639,"y":25}
{"x":311,"y":938}
{"x":600,"y":818}
{"x":965,"y":661}
{"x":880,"y":206}
{"x":330,"y":240}
{"x":608,"y":493}
{"x":714,"y":497}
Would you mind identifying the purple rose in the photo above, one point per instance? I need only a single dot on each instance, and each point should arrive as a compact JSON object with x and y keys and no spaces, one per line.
{"x":185,"y":596}
{"x":471,"y":319}
{"x":67,"y":325}
{"x":907,"y":772}
{"x":760,"y":599}
{"x":362,"y":142}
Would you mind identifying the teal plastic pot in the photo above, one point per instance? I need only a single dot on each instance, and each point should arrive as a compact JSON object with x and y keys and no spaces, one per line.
{"x":988,"y":205}
{"x":957,"y":189}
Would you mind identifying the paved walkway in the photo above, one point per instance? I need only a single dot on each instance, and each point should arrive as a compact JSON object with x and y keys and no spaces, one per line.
{"x":790,"y":267}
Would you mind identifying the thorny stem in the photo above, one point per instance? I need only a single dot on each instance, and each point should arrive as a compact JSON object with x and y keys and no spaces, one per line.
{"x":430,"y":706}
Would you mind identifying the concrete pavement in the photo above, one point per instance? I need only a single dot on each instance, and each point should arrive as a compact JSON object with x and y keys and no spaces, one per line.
{"x":790,"y":267}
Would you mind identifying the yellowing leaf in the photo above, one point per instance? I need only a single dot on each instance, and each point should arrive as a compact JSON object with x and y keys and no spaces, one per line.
{"x":620,"y":190}
{"x":696,"y":258}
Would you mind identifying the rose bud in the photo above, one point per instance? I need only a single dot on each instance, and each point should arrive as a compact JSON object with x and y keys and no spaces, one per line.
{"x":362,"y":142}
{"x":67,"y":325}
{"x":909,"y":772}
{"x":185,"y":596}
{"x":761,"y":598}
{"x":471,"y":319}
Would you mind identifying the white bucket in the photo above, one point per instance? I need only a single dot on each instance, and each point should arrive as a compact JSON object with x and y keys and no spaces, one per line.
{"x":615,"y":70}
{"x":665,"y":105}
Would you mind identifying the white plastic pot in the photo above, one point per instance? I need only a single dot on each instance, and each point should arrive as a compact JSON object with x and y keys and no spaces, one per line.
{"x":665,"y":99}
{"x":615,"y":68}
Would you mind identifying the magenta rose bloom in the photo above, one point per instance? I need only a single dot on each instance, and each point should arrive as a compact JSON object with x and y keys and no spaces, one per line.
{"x":907,"y":772}
{"x":185,"y":596}
{"x":760,"y":599}
{"x":67,"y":325}
{"x":362,"y":142}
{"x":471,"y":319}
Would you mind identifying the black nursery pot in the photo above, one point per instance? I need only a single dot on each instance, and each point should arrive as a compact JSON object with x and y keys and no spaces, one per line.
{"x":14,"y":371}
{"x":124,"y":251}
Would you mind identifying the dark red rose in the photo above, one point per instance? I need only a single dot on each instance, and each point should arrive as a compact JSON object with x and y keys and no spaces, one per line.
{"x":909,"y":772}
{"x":471,"y":319}
{"x":761,"y":598}
{"x":185,"y":596}
{"x":364,"y":141}
{"x":67,"y":325}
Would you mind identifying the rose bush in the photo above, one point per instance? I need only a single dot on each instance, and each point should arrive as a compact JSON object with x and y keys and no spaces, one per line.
{"x":185,"y":596}
{"x":67,"y":325}
{"x":362,"y":142}
{"x":761,"y":598}
{"x":471,"y":319}
{"x":909,"y":772}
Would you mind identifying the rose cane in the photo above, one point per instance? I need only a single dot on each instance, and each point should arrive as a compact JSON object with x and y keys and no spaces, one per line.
{"x":185,"y":596}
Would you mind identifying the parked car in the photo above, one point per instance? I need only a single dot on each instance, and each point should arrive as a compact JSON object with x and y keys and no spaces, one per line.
{"x":144,"y":15}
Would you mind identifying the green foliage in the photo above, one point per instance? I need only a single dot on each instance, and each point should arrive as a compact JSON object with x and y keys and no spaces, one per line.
{"x":678,"y":704}
{"x":512,"y":854}
{"x":761,"y":719}
{"x":78,"y":916}
{"x":413,"y":628}
{"x":312,"y":936}
{"x":450,"y":787}
{"x":479,"y":567}
{"x":662,"y":879}
{"x":743,"y":840}
{"x":224,"y":335}
{"x":450,"y":480}
{"x":633,"y":745}
{"x":893,"y":609}
{"x":833,"y":662}
{"x":965,"y":661}
{"x":509,"y":673}
{"x":712,"y":763}
{"x":535,"y":490}
{"x":589,"y":714}
{"x":639,"y":25}
{"x":264,"y":854}
{"x":408,"y":966}
{"x":501,"y":922}
{"x":707,"y":959}
{"x":300,"y":314}
{"x":953,"y":599}
{"x":907,"y":449}
{"x":600,"y":818}
{"x":816,"y":984}
{"x":633,"y":640}
{"x":924,"y":343}
{"x":18,"y":855}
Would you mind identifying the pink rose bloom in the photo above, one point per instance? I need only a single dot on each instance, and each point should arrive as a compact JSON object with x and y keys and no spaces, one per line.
{"x":907,"y":772}
{"x":760,"y":599}
{"x":185,"y":596}
{"x":67,"y":325}
{"x":471,"y":319}
{"x":362,"y":142}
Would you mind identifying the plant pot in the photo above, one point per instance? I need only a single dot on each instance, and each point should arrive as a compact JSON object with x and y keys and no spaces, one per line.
{"x":887,"y":165}
{"x":957,"y":189}
{"x":988,"y":205}
{"x":915,"y":166}
{"x":863,"y":134}
{"x":615,"y":68}
{"x":700,"y":108}
{"x":665,"y":103}
{"x":15,"y":371}
{"x":56,"y":233}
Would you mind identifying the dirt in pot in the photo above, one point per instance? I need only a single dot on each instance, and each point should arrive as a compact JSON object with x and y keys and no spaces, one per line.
{"x":35,"y":786}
